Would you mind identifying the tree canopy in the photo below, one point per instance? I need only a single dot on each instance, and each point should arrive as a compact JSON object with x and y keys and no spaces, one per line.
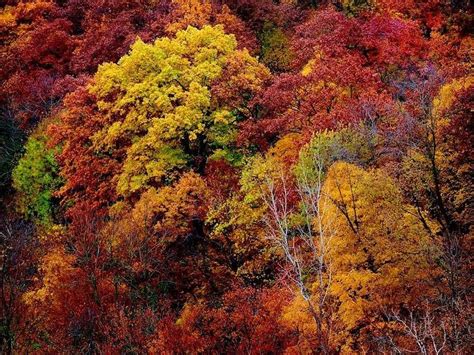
{"x":236,"y":176}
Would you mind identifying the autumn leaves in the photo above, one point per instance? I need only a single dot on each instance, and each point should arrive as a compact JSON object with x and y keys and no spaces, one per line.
{"x":247,"y":177}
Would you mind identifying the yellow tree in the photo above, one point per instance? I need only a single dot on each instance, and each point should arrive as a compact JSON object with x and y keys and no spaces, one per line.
{"x":173,"y":104}
{"x":300,"y":223}
{"x":382,"y":255}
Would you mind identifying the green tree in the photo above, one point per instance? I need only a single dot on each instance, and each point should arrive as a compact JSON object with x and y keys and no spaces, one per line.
{"x":35,"y":179}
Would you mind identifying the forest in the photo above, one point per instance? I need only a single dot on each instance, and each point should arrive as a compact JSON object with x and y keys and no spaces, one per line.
{"x":236,"y":177}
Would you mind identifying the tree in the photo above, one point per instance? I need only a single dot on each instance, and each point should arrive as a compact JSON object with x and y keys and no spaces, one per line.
{"x":275,"y":51}
{"x":38,"y":71}
{"x":340,"y":74}
{"x":238,"y":176}
{"x":87,"y":176}
{"x":434,"y":180}
{"x":245,"y":319}
{"x":303,"y":229}
{"x":36,"y":179}
{"x":305,"y":243}
{"x":170,"y":103}
{"x":382,"y":255}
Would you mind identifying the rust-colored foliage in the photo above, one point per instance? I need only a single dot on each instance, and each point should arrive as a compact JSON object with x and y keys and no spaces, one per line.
{"x":80,"y":36}
{"x":87,"y":176}
{"x":342,"y":73}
